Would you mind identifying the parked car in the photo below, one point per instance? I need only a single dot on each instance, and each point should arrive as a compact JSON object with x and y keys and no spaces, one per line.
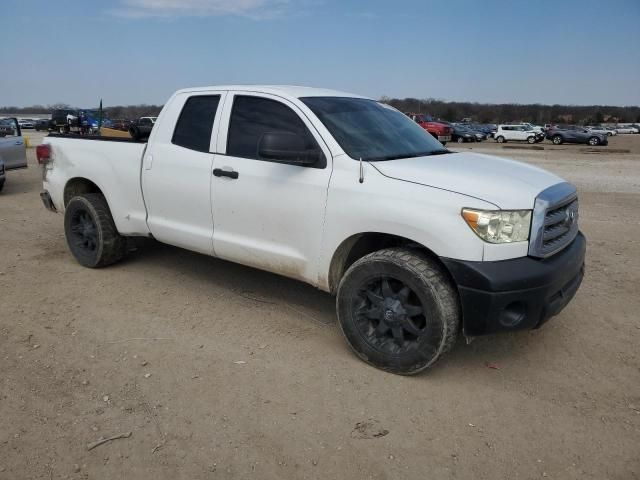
{"x":479,"y":135}
{"x":62,"y":120}
{"x":121,"y":124}
{"x":626,"y":130}
{"x":519,"y":133}
{"x":26,"y":123}
{"x":141,"y":128}
{"x":575,"y":134}
{"x":437,"y":129}
{"x":600,"y":130}
{"x":531,"y":127}
{"x":462,"y":134}
{"x":612,"y":131}
{"x":13,"y":153}
{"x":42,"y":124}
{"x":2,"y":174}
{"x":338,"y":191}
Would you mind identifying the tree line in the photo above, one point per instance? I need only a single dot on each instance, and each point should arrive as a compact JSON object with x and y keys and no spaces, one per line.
{"x":452,"y":111}
{"x":513,"y":112}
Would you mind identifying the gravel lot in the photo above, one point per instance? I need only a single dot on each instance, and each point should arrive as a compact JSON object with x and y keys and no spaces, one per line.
{"x":221,"y":371}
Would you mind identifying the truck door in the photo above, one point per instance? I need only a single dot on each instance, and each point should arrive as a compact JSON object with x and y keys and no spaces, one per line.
{"x":268,"y":212}
{"x":12,"y":147}
{"x":176,"y":171}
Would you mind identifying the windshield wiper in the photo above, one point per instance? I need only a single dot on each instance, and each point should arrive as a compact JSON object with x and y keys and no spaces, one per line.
{"x":407,"y":155}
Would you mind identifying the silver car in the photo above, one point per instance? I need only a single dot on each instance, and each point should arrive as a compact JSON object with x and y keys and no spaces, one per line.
{"x":13,"y":154}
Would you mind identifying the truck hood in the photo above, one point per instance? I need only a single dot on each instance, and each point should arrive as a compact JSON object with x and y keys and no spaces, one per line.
{"x":505,"y":183}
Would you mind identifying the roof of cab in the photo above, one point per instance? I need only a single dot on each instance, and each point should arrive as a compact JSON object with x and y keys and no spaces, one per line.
{"x":280,"y":90}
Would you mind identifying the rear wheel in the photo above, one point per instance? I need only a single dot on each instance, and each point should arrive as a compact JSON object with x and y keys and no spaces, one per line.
{"x":557,"y":140}
{"x":91,"y":234}
{"x":460,"y":140}
{"x":594,"y":141}
{"x":398,"y":310}
{"x":500,"y":139}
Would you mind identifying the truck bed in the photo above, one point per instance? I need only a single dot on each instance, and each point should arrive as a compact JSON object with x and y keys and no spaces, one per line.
{"x":113,"y":164}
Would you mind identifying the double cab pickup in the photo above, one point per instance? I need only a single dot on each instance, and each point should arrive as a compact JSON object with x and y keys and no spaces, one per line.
{"x":418,"y":243}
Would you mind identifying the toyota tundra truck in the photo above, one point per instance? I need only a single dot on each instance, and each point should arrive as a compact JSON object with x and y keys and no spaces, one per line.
{"x":440,"y":131}
{"x":417,"y":243}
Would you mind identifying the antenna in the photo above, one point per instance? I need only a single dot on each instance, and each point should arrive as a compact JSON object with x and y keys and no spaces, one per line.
{"x":361,"y":172}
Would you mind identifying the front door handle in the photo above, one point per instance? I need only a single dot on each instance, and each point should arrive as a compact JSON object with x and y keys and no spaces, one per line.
{"x":218,"y":172}
{"x":19,"y":142}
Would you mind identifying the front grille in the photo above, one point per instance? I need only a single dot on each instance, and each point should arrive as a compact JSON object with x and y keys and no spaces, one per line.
{"x":555,"y":220}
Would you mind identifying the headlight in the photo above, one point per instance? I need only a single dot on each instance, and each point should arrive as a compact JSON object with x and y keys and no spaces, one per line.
{"x":499,"y":226}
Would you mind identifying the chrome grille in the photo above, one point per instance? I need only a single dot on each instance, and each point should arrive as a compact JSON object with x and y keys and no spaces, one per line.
{"x":555,"y":220}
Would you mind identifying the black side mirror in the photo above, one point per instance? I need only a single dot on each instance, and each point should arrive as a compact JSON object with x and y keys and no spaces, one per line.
{"x":287,"y":147}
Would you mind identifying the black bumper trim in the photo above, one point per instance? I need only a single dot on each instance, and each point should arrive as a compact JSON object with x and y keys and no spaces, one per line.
{"x":517,"y":294}
{"x":46,"y":200}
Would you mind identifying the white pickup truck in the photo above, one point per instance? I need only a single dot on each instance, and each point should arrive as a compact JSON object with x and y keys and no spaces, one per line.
{"x":342,"y":192}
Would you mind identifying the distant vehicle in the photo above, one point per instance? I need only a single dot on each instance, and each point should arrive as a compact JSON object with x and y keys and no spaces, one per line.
{"x":141,"y":128}
{"x":121,"y":124}
{"x":519,"y":133}
{"x":437,"y":129}
{"x":13,"y":153}
{"x":600,"y":130}
{"x":3,"y":176}
{"x":612,"y":131}
{"x":626,"y":130}
{"x":575,"y":134}
{"x":535,"y":128}
{"x":468,"y":128}
{"x":461,"y":134}
{"x":63,"y":120}
{"x":26,"y":123}
{"x":42,"y":124}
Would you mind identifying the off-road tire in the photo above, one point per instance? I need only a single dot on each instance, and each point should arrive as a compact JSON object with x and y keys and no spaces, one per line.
{"x":429,"y":285}
{"x":110,"y":246}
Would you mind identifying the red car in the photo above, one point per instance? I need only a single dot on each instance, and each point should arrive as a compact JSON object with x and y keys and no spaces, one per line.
{"x":439,"y":130}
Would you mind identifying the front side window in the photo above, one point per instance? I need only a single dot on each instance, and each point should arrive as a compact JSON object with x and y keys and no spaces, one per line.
{"x":193,"y":130}
{"x":253,"y":117}
{"x":372,"y":131}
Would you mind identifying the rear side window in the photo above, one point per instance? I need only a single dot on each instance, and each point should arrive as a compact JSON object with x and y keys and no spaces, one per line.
{"x":252,"y":117}
{"x":195,"y":123}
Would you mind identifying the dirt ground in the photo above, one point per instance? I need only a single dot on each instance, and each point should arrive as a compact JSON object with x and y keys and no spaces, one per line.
{"x":221,"y":371}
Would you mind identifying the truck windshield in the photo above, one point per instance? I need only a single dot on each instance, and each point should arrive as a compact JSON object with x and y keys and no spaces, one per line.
{"x":372,"y":131}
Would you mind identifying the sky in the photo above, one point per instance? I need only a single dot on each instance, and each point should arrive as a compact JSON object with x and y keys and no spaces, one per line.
{"x":579,"y":52}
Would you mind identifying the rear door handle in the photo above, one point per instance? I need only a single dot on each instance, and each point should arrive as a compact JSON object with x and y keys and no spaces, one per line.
{"x":19,"y":142}
{"x":218,"y":172}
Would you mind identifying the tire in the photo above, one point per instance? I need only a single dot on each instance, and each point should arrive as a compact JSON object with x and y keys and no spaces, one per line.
{"x":91,"y":234}
{"x":443,"y":143}
{"x":373,"y":303}
{"x":2,"y":184}
{"x":460,"y":140}
{"x":594,"y":141}
{"x":135,"y":133}
{"x":500,"y":139}
{"x":557,"y":140}
{"x":531,"y":140}
{"x":609,"y":134}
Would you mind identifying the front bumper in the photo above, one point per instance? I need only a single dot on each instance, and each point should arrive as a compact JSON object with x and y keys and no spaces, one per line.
{"x":517,"y":294}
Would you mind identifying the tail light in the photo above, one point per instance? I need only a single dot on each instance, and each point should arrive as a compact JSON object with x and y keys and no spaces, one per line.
{"x":43,"y":154}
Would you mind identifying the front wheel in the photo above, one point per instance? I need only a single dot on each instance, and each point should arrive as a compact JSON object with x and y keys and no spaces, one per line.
{"x":594,"y":141}
{"x":531,"y":140}
{"x":398,"y":310}
{"x":460,"y":140}
{"x":557,"y":140}
{"x":500,"y":139}
{"x":91,"y":234}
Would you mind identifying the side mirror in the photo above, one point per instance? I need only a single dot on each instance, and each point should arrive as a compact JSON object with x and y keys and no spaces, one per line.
{"x":287,"y":147}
